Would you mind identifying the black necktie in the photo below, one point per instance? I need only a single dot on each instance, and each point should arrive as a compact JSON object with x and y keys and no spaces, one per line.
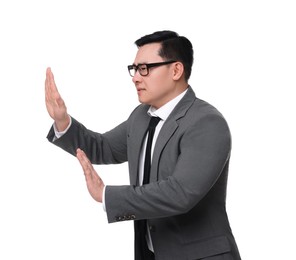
{"x":141,"y":249}
{"x":151,"y":129}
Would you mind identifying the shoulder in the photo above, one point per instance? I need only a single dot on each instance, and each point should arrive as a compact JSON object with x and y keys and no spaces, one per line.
{"x":193,"y":108}
{"x":203,"y":108}
{"x":203,"y":116}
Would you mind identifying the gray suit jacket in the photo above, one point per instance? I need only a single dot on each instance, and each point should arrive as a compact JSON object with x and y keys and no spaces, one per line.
{"x":184,"y":202}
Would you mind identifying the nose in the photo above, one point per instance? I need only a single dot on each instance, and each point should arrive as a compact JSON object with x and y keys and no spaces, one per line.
{"x":137,"y":77}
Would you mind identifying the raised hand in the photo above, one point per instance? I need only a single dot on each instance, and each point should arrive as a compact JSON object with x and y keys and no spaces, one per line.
{"x":54,"y":103}
{"x":94,"y":183}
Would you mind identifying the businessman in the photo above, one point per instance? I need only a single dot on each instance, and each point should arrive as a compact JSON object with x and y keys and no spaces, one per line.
{"x":177,"y":147}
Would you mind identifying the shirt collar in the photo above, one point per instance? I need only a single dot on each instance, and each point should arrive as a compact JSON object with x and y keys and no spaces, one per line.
{"x":164,"y":111}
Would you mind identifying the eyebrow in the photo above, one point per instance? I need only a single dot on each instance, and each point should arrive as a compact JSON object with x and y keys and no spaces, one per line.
{"x":140,"y":64}
{"x":143,"y":63}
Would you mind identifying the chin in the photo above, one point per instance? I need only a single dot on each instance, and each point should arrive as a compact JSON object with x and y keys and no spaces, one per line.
{"x":142,"y":101}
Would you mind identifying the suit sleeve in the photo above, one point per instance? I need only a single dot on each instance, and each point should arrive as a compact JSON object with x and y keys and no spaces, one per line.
{"x":204,"y":150}
{"x":106,"y":148}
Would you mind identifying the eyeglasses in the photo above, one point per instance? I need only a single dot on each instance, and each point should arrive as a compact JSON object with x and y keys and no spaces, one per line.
{"x":144,"y":68}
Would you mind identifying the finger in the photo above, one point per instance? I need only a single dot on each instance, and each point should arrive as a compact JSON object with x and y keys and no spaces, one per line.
{"x":52,"y":95}
{"x":85,"y":164}
{"x":51,"y":88}
{"x":48,"y":78}
{"x":82,"y":159}
{"x":48,"y":90}
{"x":89,"y":171}
{"x":47,"y":83}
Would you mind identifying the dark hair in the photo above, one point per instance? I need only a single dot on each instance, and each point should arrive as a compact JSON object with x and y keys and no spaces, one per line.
{"x":173,"y":47}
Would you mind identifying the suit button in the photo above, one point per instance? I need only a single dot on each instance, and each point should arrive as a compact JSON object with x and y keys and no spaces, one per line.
{"x":133,"y":217}
{"x":118,"y":218}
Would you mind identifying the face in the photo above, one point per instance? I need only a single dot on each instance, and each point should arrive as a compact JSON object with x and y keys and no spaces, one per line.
{"x":159,"y":86}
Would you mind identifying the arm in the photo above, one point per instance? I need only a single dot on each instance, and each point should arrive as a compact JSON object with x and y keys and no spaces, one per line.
{"x":204,"y":150}
{"x":107,"y":148}
{"x":100,"y":148}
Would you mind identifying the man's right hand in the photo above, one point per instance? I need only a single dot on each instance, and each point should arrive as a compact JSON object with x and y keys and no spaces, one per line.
{"x":55,"y":104}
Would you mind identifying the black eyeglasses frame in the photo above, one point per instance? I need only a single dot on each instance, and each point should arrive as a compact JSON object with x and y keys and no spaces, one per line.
{"x":148,"y":66}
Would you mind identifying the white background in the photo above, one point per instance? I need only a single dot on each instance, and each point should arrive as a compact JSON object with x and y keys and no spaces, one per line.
{"x":245,"y":63}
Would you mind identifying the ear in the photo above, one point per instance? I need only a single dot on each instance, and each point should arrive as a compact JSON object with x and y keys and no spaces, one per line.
{"x":178,"y":70}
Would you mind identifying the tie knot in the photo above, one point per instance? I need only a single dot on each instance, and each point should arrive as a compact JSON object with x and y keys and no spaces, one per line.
{"x":153,"y":121}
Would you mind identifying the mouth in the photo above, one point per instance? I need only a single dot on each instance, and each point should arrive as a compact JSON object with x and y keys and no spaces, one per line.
{"x":140,"y":90}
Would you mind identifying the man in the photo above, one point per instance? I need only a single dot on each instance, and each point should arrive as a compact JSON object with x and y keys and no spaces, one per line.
{"x":178,"y":182}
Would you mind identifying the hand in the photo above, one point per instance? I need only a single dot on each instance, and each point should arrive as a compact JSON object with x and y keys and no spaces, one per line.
{"x":54,"y":103}
{"x":94,"y":183}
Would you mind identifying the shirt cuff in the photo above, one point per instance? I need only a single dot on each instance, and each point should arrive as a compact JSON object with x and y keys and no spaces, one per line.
{"x":103,"y":199}
{"x":60,"y":134}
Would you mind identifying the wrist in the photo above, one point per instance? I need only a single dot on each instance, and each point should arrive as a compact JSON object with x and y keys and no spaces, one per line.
{"x":62,"y":125}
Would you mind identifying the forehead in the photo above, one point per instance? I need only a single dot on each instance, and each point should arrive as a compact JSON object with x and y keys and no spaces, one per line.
{"x":148,"y":53}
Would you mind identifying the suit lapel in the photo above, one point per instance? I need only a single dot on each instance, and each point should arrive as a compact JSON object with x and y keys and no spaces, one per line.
{"x":168,"y":129}
{"x":164,"y":136}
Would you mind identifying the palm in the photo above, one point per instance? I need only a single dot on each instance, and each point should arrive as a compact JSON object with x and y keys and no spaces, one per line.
{"x":55,"y":105}
{"x":94,"y":183}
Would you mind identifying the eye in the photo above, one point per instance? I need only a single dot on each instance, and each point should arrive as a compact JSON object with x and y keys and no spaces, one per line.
{"x":142,"y":67}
